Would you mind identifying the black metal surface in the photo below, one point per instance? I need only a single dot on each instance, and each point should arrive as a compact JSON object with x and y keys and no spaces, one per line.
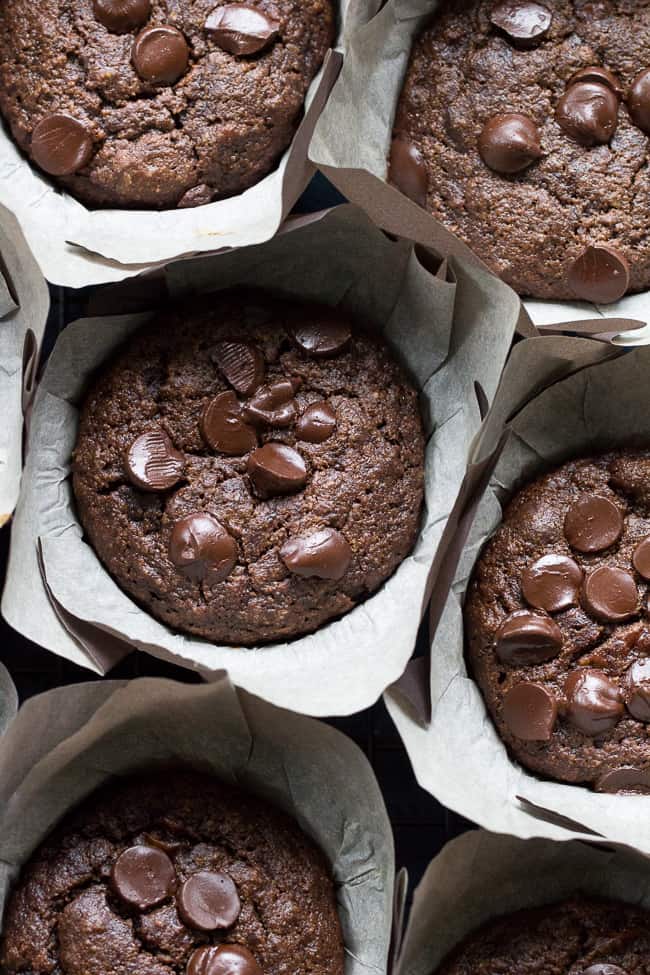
{"x":421,"y":825}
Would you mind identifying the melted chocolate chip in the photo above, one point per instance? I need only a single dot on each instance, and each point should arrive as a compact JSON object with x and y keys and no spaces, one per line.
{"x":153,"y":463}
{"x":272,"y":406}
{"x":208,"y":901}
{"x":527,"y":638}
{"x":588,"y":113}
{"x":602,"y":76}
{"x":552,"y":583}
{"x":324,"y":554}
{"x":143,"y":876}
{"x":196,"y":196}
{"x":530,"y":712}
{"x":594,"y":702}
{"x":601,"y":275}
{"x":638,"y":101}
{"x":61,"y":145}
{"x":160,"y":55}
{"x":524,"y":22}
{"x":121,"y":16}
{"x":407,"y":171}
{"x":241,"y":29}
{"x":636,"y":690}
{"x":509,"y":143}
{"x":317,"y":423}
{"x":201,"y":548}
{"x":222,"y":959}
{"x":593,"y":523}
{"x":626,"y":779}
{"x":223,"y":427}
{"x":242,"y":365}
{"x":322,"y":338}
{"x":641,"y":558}
{"x":610,"y":594}
{"x":276,"y":469}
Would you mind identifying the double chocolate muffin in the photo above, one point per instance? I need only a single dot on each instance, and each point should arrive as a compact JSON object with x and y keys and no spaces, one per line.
{"x":174,"y":873}
{"x":558,"y":628}
{"x":523,"y":127}
{"x":580,"y":936}
{"x":157,"y":103}
{"x":248,"y":468}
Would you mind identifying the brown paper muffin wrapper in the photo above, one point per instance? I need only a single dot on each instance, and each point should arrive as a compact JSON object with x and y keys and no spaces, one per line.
{"x":592,"y":398}
{"x":480,"y":876}
{"x":24,"y":304}
{"x":451,"y":329}
{"x":69,"y":741}
{"x":351,"y":145}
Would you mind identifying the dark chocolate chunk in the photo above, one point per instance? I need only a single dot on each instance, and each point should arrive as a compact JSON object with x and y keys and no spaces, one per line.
{"x":324,"y":554}
{"x":153,"y":463}
{"x":636,"y":690}
{"x":242,"y":365}
{"x":317,"y":423}
{"x":530,"y":711}
{"x":224,"y":959}
{"x":593,"y":523}
{"x":61,"y":145}
{"x":143,"y":876}
{"x":524,"y":22}
{"x":610,"y":594}
{"x":602,"y":76}
{"x":272,"y":406}
{"x":241,"y":29}
{"x":121,"y":16}
{"x":509,"y":143}
{"x":594,"y":702}
{"x":223,"y":427}
{"x":201,"y":548}
{"x":552,"y":583}
{"x":527,"y":638}
{"x":407,"y":170}
{"x":601,"y":274}
{"x":588,"y":112}
{"x":641,"y":558}
{"x":208,"y":901}
{"x":625,"y":779}
{"x":327,"y":336}
{"x":638,"y":100}
{"x":160,"y":54}
{"x":276,"y":469}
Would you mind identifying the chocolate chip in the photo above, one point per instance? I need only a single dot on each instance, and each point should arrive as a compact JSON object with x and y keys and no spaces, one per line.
{"x":530,"y":712}
{"x":241,"y":29}
{"x":593,"y":523}
{"x":324,"y":554}
{"x":588,"y":113}
{"x":527,"y":638}
{"x":224,"y":959}
{"x":223,"y":427}
{"x":594,"y":702}
{"x":317,"y":423}
{"x":272,"y":406}
{"x":160,"y":54}
{"x":202,"y":548}
{"x":121,"y":16}
{"x":638,"y":101}
{"x":524,"y":23}
{"x":241,"y":364}
{"x":610,"y":594}
{"x":61,"y":145}
{"x":636,"y":690}
{"x":626,"y":779}
{"x":552,"y":583}
{"x":153,"y":463}
{"x":196,"y":196}
{"x":407,"y":171}
{"x":641,"y":558}
{"x":602,"y":76}
{"x":143,"y":876}
{"x":208,"y":901}
{"x":276,"y":469}
{"x":322,"y":337}
{"x":509,"y":143}
{"x":601,"y":275}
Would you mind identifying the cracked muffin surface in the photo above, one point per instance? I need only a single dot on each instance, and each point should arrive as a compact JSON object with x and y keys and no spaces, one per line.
{"x":532,"y":226}
{"x":285,"y":458}
{"x":141,"y":103}
{"x":74,"y":912}
{"x":576,"y":936}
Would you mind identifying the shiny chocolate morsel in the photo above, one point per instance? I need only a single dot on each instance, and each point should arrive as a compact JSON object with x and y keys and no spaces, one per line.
{"x":407,"y":171}
{"x":552,"y":583}
{"x":241,"y":364}
{"x":241,"y":29}
{"x":593,"y":523}
{"x":201,"y":548}
{"x":143,"y":876}
{"x":527,"y":638}
{"x":323,"y":554}
{"x":223,"y":426}
{"x":524,"y":22}
{"x":208,"y":901}
{"x":594,"y":702}
{"x":509,"y":143}
{"x":61,"y":145}
{"x":530,"y":711}
{"x":636,"y":690}
{"x":588,"y":113}
{"x":153,"y":463}
{"x":160,"y":54}
{"x":601,"y":275}
{"x":610,"y":594}
{"x":276,"y":469}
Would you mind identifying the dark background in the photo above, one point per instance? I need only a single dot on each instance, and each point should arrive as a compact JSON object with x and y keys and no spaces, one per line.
{"x":421,"y":825}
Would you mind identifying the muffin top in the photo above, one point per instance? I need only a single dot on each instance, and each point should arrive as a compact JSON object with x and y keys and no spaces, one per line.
{"x":557,"y":628}
{"x":523,"y":127}
{"x":248,"y":468}
{"x":174,"y":873}
{"x":158,"y":103}
{"x":579,"y":936}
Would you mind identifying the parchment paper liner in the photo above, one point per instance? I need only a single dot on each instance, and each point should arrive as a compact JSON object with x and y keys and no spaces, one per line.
{"x":351,"y":144}
{"x":480,"y":875}
{"x":24,"y":304}
{"x":450,"y":335}
{"x":67,"y":742}
{"x":76,"y":246}
{"x":459,"y":757}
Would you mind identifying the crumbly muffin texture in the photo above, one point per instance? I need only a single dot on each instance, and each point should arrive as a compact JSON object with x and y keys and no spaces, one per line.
{"x":248,"y":468}
{"x":158,"y":103}
{"x":541,"y":170}
{"x":557,"y":629}
{"x":114,"y":888}
{"x":579,"y":936}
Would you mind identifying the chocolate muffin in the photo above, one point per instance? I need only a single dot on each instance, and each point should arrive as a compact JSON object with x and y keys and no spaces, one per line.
{"x":174,"y":873}
{"x":155,"y":103}
{"x":558,"y":634}
{"x":580,"y":936}
{"x":248,"y":468}
{"x":523,"y":127}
